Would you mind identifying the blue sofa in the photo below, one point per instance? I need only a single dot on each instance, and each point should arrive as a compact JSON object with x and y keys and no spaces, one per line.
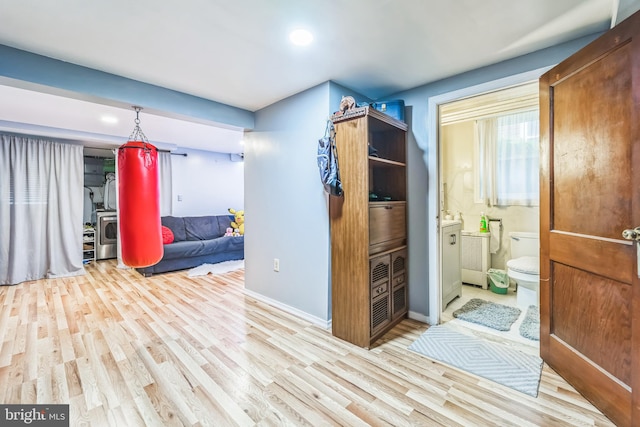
{"x":197,"y":240}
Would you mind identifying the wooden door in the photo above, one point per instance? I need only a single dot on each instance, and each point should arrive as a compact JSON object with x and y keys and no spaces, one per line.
{"x":590,"y":193}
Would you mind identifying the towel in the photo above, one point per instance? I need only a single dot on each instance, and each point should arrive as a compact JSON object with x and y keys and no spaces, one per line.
{"x":87,"y":207}
{"x":98,"y":194}
{"x":110,"y":195}
{"x":494,"y":241}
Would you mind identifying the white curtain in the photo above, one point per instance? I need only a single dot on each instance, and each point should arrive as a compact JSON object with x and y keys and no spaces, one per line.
{"x":486,"y":136}
{"x":165,"y":179}
{"x":508,"y":159}
{"x":41,"y":201}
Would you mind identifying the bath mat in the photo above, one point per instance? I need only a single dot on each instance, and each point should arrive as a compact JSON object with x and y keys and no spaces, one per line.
{"x":219,"y":268}
{"x":530,"y":326}
{"x":496,"y":316}
{"x":491,"y":360}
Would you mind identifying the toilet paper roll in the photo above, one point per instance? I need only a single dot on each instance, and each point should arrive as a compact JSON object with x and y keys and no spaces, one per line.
{"x":494,"y":240}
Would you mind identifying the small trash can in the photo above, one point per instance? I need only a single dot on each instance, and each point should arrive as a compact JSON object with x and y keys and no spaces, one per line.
{"x":498,"y":280}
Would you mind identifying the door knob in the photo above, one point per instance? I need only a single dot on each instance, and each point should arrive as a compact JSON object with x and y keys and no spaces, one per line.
{"x":632,"y":234}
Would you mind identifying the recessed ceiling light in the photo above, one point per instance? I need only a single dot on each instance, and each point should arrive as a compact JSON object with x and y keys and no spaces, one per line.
{"x":109,"y":119}
{"x":301,"y":37}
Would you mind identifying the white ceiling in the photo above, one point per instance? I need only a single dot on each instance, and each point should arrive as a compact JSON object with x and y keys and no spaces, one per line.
{"x":237,"y":52}
{"x":43,"y":114}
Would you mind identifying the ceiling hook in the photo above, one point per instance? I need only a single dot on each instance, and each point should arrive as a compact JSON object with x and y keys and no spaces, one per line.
{"x":137,"y":134}
{"x":137,"y":110}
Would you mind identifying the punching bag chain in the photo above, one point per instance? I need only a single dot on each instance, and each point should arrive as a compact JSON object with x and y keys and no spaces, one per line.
{"x":137,"y":134}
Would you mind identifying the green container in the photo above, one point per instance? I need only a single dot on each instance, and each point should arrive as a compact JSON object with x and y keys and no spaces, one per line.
{"x":498,"y":281}
{"x":109,"y":165}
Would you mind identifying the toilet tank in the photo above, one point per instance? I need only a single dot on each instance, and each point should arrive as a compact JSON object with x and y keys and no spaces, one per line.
{"x":524,"y":244}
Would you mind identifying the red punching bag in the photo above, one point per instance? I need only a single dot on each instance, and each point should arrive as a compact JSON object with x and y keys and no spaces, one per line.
{"x":139,"y":204}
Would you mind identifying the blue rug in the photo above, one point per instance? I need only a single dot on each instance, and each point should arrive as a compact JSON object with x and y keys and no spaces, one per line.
{"x":496,"y":316}
{"x":530,"y":326}
{"x":493,"y":361}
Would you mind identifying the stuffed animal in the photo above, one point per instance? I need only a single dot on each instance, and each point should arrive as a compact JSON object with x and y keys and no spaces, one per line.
{"x":239,"y":220}
{"x":229,"y":232}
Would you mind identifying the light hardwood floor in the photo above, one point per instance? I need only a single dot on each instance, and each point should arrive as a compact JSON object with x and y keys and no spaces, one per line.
{"x":124,"y":350}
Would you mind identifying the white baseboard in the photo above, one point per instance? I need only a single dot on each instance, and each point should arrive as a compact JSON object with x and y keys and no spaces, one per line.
{"x":419,"y":317}
{"x":325,"y":324}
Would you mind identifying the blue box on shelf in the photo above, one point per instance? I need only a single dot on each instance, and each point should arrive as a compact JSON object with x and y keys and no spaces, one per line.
{"x":394,"y":108}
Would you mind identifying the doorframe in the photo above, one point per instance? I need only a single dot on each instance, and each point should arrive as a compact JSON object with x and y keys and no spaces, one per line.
{"x":433,"y":175}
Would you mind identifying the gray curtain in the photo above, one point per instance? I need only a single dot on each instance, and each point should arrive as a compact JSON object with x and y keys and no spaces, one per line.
{"x":41,"y":200}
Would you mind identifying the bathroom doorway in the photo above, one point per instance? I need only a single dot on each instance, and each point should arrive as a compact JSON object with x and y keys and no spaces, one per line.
{"x":467,"y":175}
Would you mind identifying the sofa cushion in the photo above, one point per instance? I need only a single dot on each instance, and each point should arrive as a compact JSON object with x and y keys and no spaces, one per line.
{"x":176,"y":225}
{"x":223,"y":244}
{"x":192,"y":248}
{"x":184,"y":249}
{"x":202,"y":227}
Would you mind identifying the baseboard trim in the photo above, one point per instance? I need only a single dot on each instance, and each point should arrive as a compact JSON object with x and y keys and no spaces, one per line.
{"x":419,"y":317}
{"x":324,"y":324}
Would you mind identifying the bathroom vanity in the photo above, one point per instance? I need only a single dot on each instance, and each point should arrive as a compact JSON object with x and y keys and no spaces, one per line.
{"x":451,"y":268}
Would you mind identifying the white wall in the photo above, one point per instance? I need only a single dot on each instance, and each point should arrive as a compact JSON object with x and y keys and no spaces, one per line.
{"x":458,"y":173}
{"x":208,"y":183}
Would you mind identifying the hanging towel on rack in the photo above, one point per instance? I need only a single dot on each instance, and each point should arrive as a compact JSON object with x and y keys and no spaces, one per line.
{"x":494,"y":241}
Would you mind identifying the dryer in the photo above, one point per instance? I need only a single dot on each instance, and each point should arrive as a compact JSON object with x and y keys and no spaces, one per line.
{"x":106,"y":235}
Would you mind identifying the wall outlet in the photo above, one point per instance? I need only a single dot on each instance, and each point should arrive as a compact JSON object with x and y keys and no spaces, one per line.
{"x":276,"y":264}
{"x":179,"y":197}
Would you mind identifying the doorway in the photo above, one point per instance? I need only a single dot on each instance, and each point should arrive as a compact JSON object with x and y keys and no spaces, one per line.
{"x":488,"y":171}
{"x":433,"y":180}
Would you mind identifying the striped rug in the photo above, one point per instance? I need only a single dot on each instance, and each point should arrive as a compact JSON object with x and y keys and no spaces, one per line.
{"x":493,"y":361}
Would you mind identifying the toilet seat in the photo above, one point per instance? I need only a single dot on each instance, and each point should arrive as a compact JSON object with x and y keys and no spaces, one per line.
{"x":525,"y":265}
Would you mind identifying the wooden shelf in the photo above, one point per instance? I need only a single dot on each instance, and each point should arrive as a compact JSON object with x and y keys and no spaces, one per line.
{"x":359,"y":112}
{"x":369,"y":237}
{"x":386,"y":202}
{"x":387,"y":119}
{"x":88,"y":245}
{"x":385,"y":162}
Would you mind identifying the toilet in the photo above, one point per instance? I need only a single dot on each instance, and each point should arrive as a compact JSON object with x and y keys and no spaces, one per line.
{"x":524,"y":267}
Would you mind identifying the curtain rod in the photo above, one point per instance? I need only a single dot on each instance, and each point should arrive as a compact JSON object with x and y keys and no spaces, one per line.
{"x":113,"y":150}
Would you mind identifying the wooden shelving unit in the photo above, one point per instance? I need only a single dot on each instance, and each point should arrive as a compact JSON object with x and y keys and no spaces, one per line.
{"x":368,"y":228}
{"x":88,"y":245}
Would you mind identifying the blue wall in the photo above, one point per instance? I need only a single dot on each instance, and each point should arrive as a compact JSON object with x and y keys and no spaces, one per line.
{"x":286,"y":206}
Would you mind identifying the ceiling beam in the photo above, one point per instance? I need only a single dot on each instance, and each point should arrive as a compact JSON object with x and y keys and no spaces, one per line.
{"x":28,"y":70}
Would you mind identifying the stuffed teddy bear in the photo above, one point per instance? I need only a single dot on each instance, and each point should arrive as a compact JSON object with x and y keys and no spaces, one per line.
{"x":239,"y":220}
{"x":229,"y":232}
